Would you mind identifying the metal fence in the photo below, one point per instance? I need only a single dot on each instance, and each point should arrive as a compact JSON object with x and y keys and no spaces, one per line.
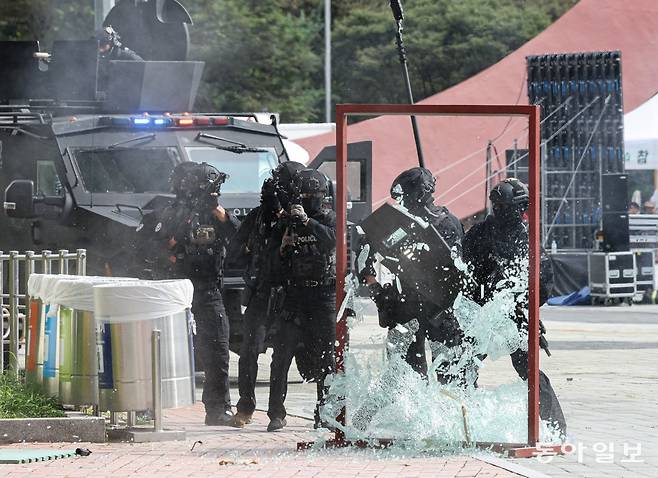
{"x":15,"y":270}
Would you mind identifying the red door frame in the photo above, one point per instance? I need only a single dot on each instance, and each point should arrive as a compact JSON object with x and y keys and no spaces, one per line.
{"x":343,"y":111}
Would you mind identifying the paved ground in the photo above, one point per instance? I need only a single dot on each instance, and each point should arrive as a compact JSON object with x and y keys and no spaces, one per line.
{"x":603,"y":368}
{"x":247,"y":453}
{"x":604,"y":371}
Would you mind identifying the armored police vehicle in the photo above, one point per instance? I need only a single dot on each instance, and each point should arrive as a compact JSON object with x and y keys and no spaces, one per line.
{"x":87,"y":145}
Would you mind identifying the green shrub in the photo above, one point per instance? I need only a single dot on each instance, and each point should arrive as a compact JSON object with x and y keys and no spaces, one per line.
{"x":18,"y":400}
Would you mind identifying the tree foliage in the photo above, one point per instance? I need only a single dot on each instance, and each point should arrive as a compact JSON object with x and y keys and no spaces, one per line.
{"x":446,"y":42}
{"x":267,"y":55}
{"x":259,"y":56}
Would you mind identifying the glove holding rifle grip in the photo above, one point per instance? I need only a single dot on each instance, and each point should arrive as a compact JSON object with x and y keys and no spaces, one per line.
{"x":298,"y":215}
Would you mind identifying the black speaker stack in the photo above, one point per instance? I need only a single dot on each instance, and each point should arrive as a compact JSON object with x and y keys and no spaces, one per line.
{"x":583,"y":185}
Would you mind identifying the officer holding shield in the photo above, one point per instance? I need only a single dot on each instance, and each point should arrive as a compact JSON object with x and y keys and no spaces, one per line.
{"x":409,"y":315}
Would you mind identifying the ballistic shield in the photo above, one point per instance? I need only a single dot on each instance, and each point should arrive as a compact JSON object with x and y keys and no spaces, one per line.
{"x":415,"y":252}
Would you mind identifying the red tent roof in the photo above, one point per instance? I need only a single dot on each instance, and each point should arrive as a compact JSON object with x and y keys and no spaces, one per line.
{"x":591,"y":25}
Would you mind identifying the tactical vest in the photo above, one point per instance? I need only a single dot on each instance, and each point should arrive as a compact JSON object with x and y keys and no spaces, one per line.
{"x":199,"y":251}
{"x":308,"y":262}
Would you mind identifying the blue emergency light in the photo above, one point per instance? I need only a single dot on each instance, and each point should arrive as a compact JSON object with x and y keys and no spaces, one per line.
{"x":141,"y":121}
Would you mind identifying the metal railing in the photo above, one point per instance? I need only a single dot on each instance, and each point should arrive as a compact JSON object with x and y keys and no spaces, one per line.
{"x":15,"y":271}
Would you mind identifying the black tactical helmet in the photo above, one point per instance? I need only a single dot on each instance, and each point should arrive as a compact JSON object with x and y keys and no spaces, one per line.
{"x":414,"y":187}
{"x":190,"y":179}
{"x":311,"y":181}
{"x":311,"y":186}
{"x":510,"y":192}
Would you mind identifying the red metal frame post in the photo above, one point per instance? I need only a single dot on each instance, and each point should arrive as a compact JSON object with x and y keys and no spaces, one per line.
{"x":532,"y":112}
{"x":341,"y":248}
{"x":533,"y":276}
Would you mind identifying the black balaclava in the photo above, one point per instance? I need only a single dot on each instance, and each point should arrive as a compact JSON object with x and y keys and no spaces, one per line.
{"x":312,"y":186}
{"x":413,"y":189}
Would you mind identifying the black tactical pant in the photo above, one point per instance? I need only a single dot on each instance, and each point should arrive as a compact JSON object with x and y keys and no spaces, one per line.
{"x":211,"y":343}
{"x":307,"y":331}
{"x":549,"y":406}
{"x":436,"y":326}
{"x":255,"y":325}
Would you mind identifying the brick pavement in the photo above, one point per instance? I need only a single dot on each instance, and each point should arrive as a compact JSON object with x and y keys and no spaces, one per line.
{"x":607,"y":386}
{"x":247,"y":453}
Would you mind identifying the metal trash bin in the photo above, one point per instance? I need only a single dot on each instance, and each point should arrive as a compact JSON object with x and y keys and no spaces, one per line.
{"x":129,"y":312}
{"x":35,"y":331}
{"x":51,"y":334}
{"x":78,"y":359}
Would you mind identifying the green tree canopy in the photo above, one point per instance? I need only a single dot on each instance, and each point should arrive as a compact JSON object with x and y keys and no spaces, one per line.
{"x":447,"y":41}
{"x":260,"y":56}
{"x":267,"y":55}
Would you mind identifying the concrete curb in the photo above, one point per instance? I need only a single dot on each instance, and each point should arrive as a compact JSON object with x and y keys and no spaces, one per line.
{"x":65,"y":429}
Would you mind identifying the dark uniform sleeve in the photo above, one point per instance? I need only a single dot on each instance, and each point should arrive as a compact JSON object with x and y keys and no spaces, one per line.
{"x":452,"y":232}
{"x":469,"y":245}
{"x":324,"y":229}
{"x":237,"y":250}
{"x":228,"y":228}
{"x":475,"y":254}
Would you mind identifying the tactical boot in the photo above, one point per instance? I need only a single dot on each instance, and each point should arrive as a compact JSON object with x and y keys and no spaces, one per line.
{"x":240,"y":420}
{"x":219,"y":418}
{"x":276,"y":424}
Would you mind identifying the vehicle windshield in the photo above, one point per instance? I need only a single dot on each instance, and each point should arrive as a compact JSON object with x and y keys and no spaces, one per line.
{"x":246,"y":171}
{"x":127,"y":170}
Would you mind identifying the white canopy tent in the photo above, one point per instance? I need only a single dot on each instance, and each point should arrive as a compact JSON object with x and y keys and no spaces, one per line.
{"x":641,"y":136}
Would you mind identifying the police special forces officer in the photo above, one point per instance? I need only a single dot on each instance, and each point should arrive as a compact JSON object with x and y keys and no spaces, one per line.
{"x":307,"y":329}
{"x":497,"y":251}
{"x":187,"y":240}
{"x":413,"y":189}
{"x":110,"y":47}
{"x":254,"y":247}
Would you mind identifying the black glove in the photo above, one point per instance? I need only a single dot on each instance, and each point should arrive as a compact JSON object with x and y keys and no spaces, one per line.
{"x":385,"y":298}
{"x":298,"y":214}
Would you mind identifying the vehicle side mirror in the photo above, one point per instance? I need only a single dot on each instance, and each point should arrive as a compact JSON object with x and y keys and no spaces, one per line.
{"x":19,"y":199}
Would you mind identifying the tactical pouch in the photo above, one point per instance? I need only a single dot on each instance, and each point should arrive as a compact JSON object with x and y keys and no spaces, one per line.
{"x":275,"y":302}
